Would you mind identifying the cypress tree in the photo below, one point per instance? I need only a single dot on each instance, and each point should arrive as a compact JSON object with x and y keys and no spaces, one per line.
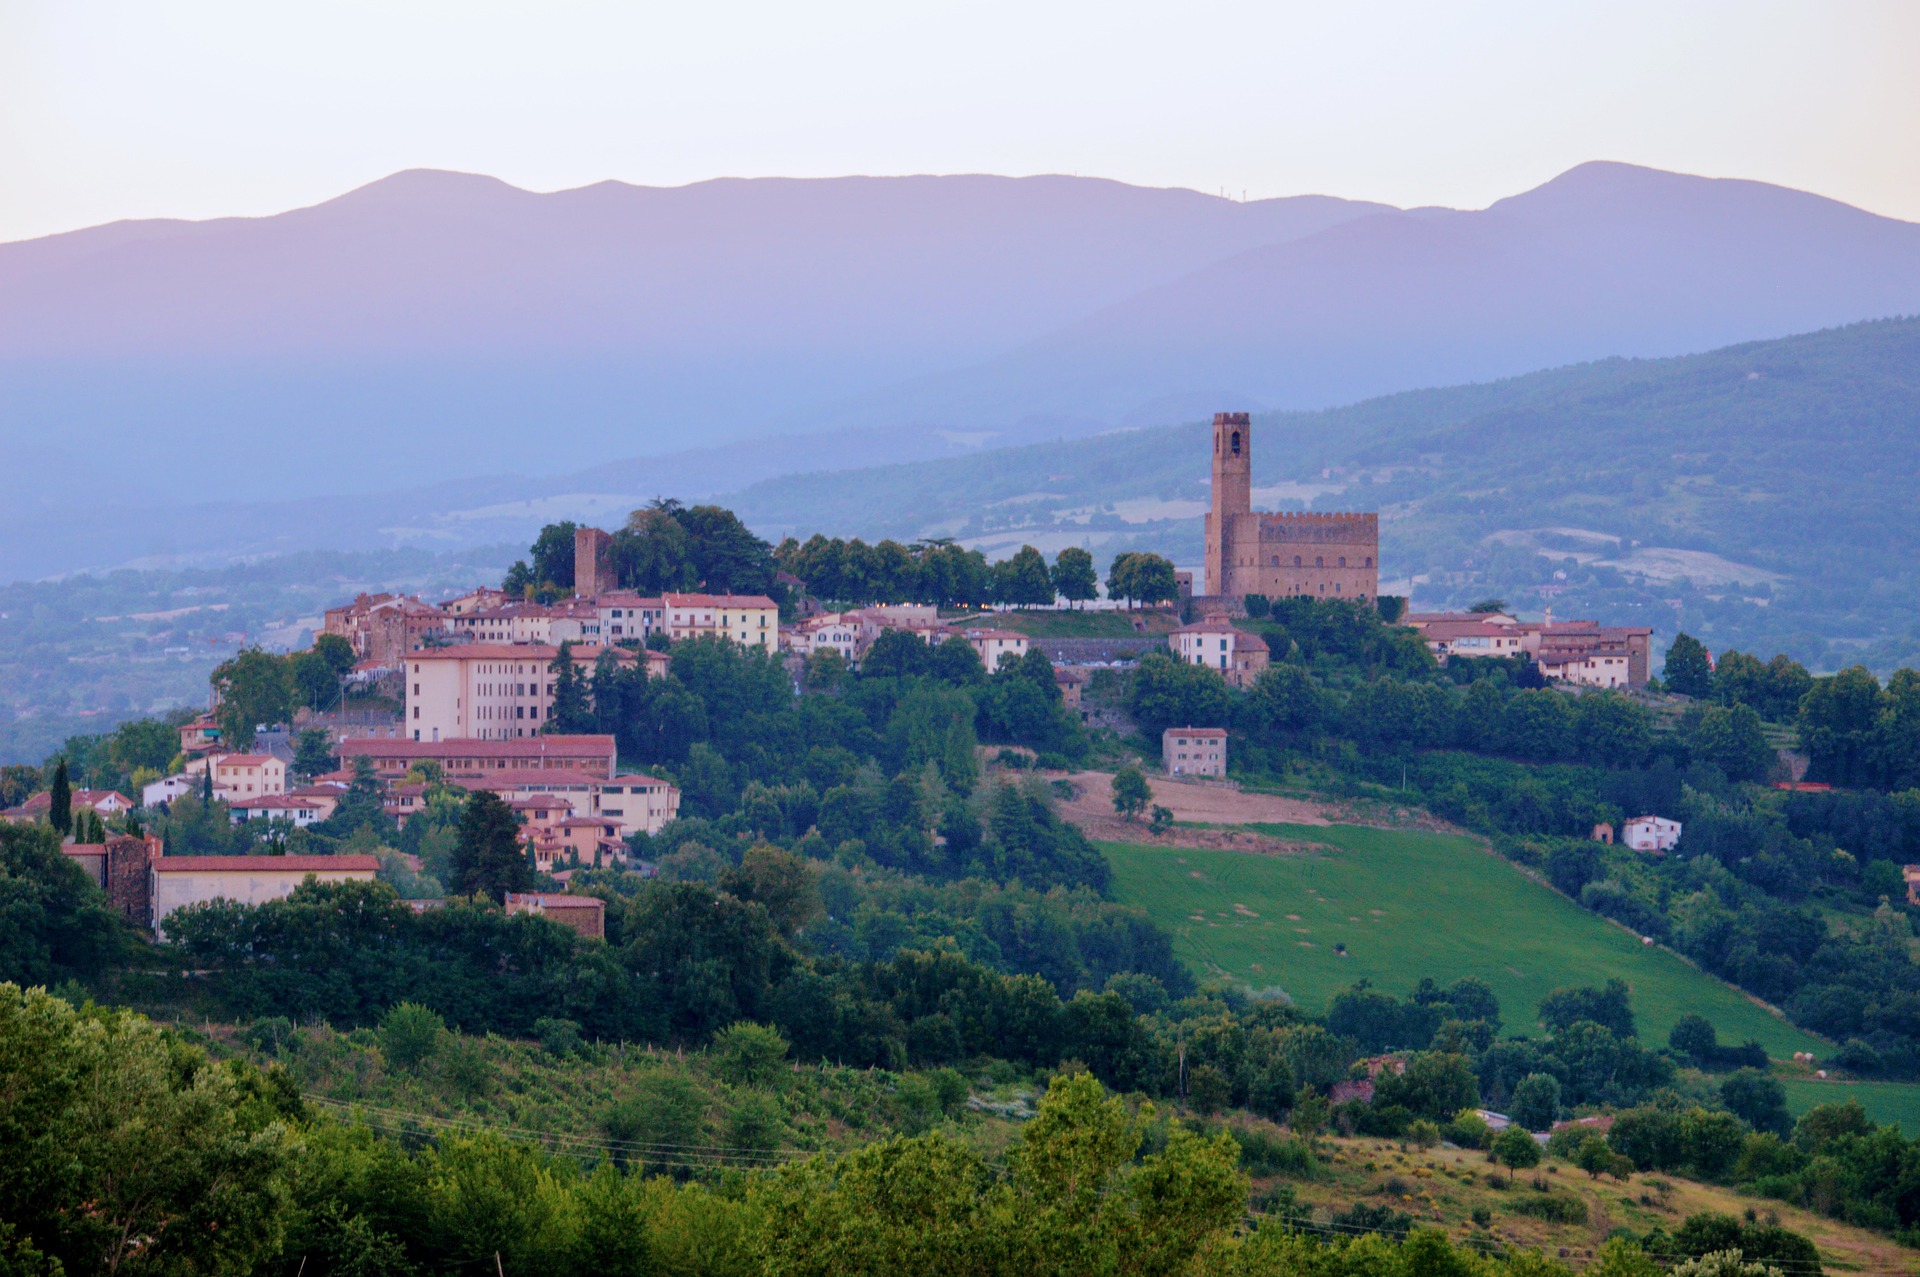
{"x":60,"y":814}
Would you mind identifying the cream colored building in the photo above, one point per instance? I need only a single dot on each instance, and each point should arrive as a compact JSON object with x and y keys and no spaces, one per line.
{"x":510,"y":623}
{"x":752,"y":620}
{"x":485,"y":691}
{"x":638,"y":802}
{"x":994,"y":644}
{"x":1194,"y":751}
{"x":178,"y":881}
{"x":626,"y":615}
{"x":1239,"y":657}
{"x":241,"y":776}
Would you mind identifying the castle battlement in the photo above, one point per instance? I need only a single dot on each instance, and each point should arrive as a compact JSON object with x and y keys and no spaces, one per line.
{"x":1244,"y":545}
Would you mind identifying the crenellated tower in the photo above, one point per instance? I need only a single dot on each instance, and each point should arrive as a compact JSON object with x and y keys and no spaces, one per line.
{"x":1232,"y":494}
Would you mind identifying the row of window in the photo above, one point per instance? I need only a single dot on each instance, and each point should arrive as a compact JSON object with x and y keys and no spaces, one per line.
{"x":1319,"y":561}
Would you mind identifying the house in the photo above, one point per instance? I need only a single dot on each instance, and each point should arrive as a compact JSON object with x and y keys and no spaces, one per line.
{"x":1580,"y":652}
{"x":751,"y":620}
{"x":592,"y":840}
{"x":1603,"y":832}
{"x":623,"y":614}
{"x":1650,"y":833}
{"x":488,"y":691}
{"x":383,"y":628}
{"x":178,"y":881}
{"x":995,"y":646}
{"x":1072,"y":682}
{"x":508,"y":623}
{"x":1194,"y":751}
{"x":586,"y":915}
{"x":299,"y":812}
{"x":520,"y":760}
{"x":833,"y":632}
{"x":38,"y":807}
{"x":478,"y":600}
{"x":157,"y":792}
{"x":200,"y":736}
{"x":638,"y":802}
{"x":574,"y":621}
{"x":1240,"y":657}
{"x":1911,"y":875}
{"x":239,"y":776}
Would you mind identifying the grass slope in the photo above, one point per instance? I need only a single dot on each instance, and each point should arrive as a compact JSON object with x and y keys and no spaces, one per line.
{"x":1890,"y":1103}
{"x":1406,"y":905}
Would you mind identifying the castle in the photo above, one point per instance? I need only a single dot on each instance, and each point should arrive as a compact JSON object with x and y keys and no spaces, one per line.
{"x":1280,"y":555}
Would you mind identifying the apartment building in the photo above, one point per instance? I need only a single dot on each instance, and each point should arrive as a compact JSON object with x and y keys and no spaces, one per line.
{"x":488,"y":691}
{"x":751,"y":620}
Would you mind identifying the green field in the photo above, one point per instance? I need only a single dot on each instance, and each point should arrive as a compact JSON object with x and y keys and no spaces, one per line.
{"x":1407,"y":905}
{"x":1897,"y":1103}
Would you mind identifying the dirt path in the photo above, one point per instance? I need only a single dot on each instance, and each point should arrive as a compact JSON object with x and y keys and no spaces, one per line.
{"x":1092,"y":810}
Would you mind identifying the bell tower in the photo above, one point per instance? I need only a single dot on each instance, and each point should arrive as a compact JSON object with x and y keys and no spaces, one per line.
{"x":1232,"y":495}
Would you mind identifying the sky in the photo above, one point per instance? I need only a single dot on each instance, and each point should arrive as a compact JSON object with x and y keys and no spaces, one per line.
{"x":200,"y":108}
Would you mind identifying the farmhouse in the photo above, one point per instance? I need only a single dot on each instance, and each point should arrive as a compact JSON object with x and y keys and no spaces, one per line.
{"x":1194,"y":751}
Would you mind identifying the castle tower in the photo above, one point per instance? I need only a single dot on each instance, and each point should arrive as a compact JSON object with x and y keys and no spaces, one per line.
{"x":592,"y":562}
{"x":1232,"y":495}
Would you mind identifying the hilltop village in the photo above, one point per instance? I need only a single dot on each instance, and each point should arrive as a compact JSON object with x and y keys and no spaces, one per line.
{"x":487,"y":691}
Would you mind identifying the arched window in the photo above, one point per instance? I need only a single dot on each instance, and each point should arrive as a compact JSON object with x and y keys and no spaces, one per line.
{"x":1275,"y":563}
{"x":1343,"y":560}
{"x":1296,"y":560}
{"x":1369,"y":560}
{"x":1236,"y":443}
{"x":1319,"y":561}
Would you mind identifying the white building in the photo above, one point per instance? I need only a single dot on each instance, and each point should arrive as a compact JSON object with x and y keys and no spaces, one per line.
{"x":299,"y":812}
{"x":626,"y":615}
{"x":1650,"y":833}
{"x":178,"y":881}
{"x":155,"y":792}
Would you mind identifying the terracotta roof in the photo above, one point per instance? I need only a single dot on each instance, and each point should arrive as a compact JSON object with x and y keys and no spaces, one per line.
{"x":720,"y":600}
{"x":971,"y":634}
{"x":267,"y":801}
{"x":530,"y":779}
{"x":1195,"y":731}
{"x":244,"y":760}
{"x":532,"y":747}
{"x":635,"y":778}
{"x":257,"y":864}
{"x":554,"y":900}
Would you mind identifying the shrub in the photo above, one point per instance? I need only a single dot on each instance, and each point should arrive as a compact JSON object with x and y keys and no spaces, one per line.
{"x":561,"y":1038}
{"x":749,"y":1054}
{"x":1555,"y":1208}
{"x":410,"y":1035}
{"x":1264,"y":1152}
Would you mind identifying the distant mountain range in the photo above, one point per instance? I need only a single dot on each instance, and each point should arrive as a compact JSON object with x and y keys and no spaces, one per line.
{"x":438,"y":328}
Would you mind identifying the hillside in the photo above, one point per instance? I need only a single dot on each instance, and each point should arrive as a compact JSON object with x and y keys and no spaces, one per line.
{"x":1395,"y":906}
{"x":1766,"y":488}
{"x":441,"y":328}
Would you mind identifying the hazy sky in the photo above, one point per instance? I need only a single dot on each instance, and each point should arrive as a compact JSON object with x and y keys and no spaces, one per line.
{"x":195,"y":108}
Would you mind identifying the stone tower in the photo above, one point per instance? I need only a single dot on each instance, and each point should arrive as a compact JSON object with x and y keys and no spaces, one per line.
{"x":592,"y":562}
{"x":1232,"y":494}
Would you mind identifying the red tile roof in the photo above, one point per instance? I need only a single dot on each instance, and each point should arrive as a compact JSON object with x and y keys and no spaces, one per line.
{"x":720,"y":600}
{"x":258,"y":864}
{"x":532,"y":747}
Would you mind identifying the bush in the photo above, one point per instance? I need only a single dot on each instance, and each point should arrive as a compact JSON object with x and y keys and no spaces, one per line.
{"x":410,"y":1035}
{"x":561,"y":1038}
{"x":1264,"y":1152}
{"x":1555,"y":1208}
{"x":749,"y":1054}
{"x":1469,"y":1130}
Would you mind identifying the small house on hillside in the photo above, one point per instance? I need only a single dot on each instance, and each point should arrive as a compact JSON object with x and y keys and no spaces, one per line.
{"x":1651,"y":833}
{"x":1194,"y":751}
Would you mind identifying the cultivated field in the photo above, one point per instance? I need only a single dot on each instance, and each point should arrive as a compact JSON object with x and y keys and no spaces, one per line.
{"x":1407,"y":904}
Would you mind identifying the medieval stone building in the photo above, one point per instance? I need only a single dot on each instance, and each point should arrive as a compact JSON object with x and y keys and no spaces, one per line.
{"x":1333,"y":556}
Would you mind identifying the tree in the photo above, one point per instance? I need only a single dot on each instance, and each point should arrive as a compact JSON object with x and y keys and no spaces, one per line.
{"x":1609,"y":1008}
{"x":551,"y":555}
{"x":570,"y":714}
{"x":1486,"y":607}
{"x":488,"y":860}
{"x":335,"y":650}
{"x":1514,"y":1149}
{"x":1143,"y":578}
{"x":1074,"y":577}
{"x":58,"y":925}
{"x":312,"y":754}
{"x":1023,"y":580}
{"x":315,"y":684}
{"x":1131,"y":793}
{"x":749,"y":1054}
{"x":254,"y":689}
{"x":1167,"y":693}
{"x":725,"y":556}
{"x":1536,"y":1101}
{"x":60,"y":794}
{"x":1688,"y":669}
{"x":410,"y":1035}
{"x":1758,"y":1100}
{"x":653,"y":552}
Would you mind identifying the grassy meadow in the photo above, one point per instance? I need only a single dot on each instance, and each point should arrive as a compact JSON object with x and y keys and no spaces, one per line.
{"x":1407,"y":904}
